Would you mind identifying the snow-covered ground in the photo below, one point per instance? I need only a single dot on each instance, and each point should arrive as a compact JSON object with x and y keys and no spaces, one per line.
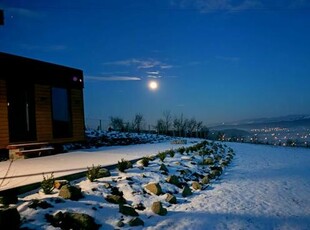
{"x":264,"y":187}
{"x":27,"y":171}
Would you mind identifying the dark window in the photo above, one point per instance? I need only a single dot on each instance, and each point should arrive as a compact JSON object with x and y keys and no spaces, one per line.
{"x":62,"y":126}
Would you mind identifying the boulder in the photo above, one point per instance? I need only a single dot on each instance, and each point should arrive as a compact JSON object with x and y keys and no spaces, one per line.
{"x":154,"y":188}
{"x":72,"y":220}
{"x":115,"y":199}
{"x":70,"y":192}
{"x":158,"y":209}
{"x":59,"y":183}
{"x":9,"y":218}
{"x":196,"y":185}
{"x":127,"y":210}
{"x":136,"y":221}
{"x":171,"y":199}
{"x":173,"y":180}
{"x":186,"y":191}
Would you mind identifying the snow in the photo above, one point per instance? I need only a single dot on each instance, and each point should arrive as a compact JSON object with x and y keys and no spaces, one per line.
{"x":264,"y":187}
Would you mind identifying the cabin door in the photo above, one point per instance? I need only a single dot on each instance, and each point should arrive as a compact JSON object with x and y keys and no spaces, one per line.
{"x":21,"y":109}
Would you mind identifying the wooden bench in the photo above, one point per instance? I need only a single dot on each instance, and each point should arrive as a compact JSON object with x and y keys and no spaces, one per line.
{"x":26,"y":150}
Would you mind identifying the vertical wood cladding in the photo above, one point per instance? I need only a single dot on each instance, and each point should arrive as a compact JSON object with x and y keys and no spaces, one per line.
{"x":43,"y":113}
{"x":77,"y":108}
{"x":4,"y":125}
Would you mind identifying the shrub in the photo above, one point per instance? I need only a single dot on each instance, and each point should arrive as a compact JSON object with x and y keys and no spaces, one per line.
{"x":162,"y":156}
{"x":181,"y":150}
{"x":171,"y":152}
{"x":123,"y":165}
{"x":92,"y":173}
{"x":47,"y":185}
{"x":145,"y":161}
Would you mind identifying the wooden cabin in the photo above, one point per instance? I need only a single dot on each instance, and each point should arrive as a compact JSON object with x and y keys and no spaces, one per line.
{"x":40,"y":102}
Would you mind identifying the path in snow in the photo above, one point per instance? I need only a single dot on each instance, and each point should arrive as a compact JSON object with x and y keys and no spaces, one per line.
{"x":265,"y":187}
{"x":28,"y":171}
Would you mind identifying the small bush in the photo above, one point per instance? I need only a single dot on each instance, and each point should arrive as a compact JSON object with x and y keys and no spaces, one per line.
{"x":162,"y":156}
{"x":123,"y":165}
{"x":181,"y":150}
{"x":47,"y":185}
{"x":92,"y":173}
{"x":145,"y":161}
{"x":171,"y":152}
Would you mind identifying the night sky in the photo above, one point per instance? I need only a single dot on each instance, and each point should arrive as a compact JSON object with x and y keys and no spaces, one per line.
{"x":214,"y":60}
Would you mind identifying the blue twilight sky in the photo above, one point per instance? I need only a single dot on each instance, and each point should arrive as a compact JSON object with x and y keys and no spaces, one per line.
{"x":214,"y":60}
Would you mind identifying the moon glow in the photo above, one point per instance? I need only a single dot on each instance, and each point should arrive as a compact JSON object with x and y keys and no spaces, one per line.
{"x":153,"y":85}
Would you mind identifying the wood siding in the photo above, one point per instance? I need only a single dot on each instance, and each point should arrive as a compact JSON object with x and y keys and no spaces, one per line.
{"x":4,"y":125}
{"x":43,"y":113}
{"x":77,"y":107}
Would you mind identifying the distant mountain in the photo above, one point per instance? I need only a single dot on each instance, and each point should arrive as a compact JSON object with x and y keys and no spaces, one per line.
{"x":289,"y":121}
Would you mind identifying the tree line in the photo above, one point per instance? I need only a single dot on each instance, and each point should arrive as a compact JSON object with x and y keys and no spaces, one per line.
{"x":177,"y":125}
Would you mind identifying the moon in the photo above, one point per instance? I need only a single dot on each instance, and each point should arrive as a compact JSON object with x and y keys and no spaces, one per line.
{"x":153,"y":85}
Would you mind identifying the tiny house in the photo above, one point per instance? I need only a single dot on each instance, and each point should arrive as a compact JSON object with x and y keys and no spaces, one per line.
{"x":39,"y":102}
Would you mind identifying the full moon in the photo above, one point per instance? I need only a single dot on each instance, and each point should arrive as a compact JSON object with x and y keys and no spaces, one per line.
{"x":153,"y":85}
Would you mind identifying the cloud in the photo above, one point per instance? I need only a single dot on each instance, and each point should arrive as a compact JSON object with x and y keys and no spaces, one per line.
{"x":154,"y":76}
{"x":140,"y":64}
{"x":112,"y":78}
{"x":153,"y":72}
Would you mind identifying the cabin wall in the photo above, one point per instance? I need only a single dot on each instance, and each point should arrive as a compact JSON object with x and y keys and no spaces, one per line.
{"x":4,"y":124}
{"x":77,"y":109}
{"x":54,"y":76}
{"x":43,"y":113}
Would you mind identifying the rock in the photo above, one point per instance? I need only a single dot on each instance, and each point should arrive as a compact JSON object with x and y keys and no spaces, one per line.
{"x":120,"y":224}
{"x":136,"y":221}
{"x":173,"y":180}
{"x":127,"y":210}
{"x":72,"y":220}
{"x":171,"y":199}
{"x":8,"y":197}
{"x":103,"y":172}
{"x":70,"y":192}
{"x":205,"y":180}
{"x":59,"y":183}
{"x":154,"y":188}
{"x":139,"y":206}
{"x":115,"y":191}
{"x":115,"y":199}
{"x":9,"y":218}
{"x":157,"y":208}
{"x":40,"y":203}
{"x":208,"y":161}
{"x":186,"y":191}
{"x":196,"y":185}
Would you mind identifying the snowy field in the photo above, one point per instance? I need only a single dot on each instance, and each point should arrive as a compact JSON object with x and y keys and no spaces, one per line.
{"x":264,"y":187}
